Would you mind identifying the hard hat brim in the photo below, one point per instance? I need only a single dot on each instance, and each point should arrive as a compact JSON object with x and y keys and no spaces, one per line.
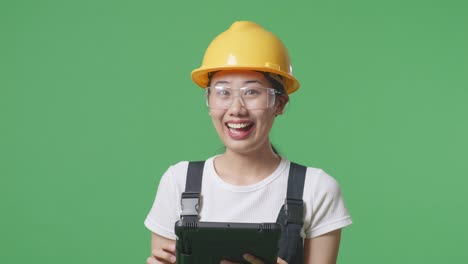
{"x":200,"y":76}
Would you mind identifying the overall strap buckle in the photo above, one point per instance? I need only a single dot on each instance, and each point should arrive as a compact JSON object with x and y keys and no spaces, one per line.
{"x":294,"y":210}
{"x":191,"y":198}
{"x":190,"y":205}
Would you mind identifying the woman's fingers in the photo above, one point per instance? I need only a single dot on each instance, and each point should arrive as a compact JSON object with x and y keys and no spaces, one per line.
{"x":164,"y":254}
{"x":226,"y":262}
{"x":252,"y":259}
{"x":151,"y":260}
{"x":169,"y":247}
{"x":247,"y":257}
{"x":280,"y":261}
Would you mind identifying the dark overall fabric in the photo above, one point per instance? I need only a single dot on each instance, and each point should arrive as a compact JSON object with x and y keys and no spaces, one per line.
{"x":290,"y":216}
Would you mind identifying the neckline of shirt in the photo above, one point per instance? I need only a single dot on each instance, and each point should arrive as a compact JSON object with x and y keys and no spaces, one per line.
{"x":244,"y":188}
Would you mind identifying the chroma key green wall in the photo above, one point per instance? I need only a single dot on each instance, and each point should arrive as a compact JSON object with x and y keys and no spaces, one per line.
{"x":96,"y":102}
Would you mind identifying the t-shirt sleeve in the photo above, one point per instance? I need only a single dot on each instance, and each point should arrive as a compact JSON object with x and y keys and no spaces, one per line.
{"x":163,"y":214}
{"x":328,"y":211}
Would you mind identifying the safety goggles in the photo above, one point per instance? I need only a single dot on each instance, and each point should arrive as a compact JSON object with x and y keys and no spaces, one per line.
{"x":252,"y":98}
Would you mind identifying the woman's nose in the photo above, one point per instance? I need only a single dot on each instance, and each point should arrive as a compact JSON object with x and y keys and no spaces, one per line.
{"x":237,"y":106}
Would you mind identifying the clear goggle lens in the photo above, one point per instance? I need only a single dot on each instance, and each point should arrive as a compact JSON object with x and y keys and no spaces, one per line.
{"x":252,"y":98}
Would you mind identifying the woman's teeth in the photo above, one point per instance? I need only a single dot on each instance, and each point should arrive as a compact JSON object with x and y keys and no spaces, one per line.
{"x":238,"y":125}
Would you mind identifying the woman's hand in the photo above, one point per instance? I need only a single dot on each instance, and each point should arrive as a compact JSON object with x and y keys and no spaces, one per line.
{"x":252,"y":259}
{"x":165,"y":254}
{"x":163,"y":250}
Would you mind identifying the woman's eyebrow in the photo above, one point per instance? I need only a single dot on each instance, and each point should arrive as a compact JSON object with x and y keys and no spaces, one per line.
{"x":253,"y":81}
{"x":221,"y":82}
{"x":246,"y":82}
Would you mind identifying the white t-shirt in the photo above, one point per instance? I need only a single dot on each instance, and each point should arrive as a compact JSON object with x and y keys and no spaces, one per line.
{"x":325,"y":209}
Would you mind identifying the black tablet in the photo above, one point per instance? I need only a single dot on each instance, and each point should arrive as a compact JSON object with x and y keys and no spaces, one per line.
{"x":211,"y":242}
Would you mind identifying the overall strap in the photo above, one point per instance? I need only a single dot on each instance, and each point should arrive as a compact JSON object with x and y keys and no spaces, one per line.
{"x":294,"y":205}
{"x":190,"y":199}
{"x":291,"y":217}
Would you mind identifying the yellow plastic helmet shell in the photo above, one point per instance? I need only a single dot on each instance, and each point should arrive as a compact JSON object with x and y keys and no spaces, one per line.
{"x":246,"y":46}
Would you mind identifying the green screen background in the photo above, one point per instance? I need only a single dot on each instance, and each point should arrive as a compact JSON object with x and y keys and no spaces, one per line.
{"x":96,"y":101}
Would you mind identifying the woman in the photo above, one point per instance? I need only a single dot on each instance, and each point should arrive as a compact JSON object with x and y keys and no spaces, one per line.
{"x":247,"y":77}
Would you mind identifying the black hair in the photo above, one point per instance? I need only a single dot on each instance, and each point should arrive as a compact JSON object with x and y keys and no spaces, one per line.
{"x":279,"y":87}
{"x":210,"y":76}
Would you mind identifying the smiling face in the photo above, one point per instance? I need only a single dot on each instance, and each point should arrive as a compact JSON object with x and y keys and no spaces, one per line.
{"x":243,"y":130}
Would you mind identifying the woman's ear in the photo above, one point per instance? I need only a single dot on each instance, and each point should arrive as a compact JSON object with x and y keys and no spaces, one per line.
{"x":282,"y":100}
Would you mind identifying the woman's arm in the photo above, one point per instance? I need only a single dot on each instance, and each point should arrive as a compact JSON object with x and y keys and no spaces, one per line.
{"x":322,"y":249}
{"x":163,"y":250}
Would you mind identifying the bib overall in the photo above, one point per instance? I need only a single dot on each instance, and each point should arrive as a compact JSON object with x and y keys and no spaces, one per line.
{"x":290,"y":216}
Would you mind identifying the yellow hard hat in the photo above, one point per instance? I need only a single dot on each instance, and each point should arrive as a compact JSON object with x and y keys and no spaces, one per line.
{"x":246,"y":45}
